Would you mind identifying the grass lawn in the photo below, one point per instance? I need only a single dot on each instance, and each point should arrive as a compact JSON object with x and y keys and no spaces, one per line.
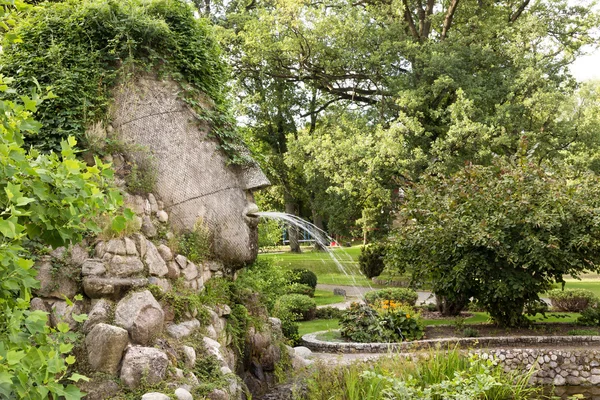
{"x":323,"y":266}
{"x":324,"y":297}
{"x":593,"y":285}
{"x":317,"y":325}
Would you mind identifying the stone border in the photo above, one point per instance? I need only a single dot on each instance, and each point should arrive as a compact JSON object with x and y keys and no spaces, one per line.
{"x":310,"y":340}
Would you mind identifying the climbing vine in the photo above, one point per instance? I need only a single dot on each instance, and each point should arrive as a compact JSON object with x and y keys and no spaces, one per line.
{"x":82,"y":49}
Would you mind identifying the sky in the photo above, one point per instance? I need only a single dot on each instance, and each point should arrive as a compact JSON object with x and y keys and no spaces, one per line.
{"x":587,"y":67}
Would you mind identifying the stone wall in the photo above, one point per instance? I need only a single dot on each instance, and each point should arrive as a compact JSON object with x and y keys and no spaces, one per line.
{"x":551,"y":366}
{"x":577,"y":363}
{"x":129,"y":334}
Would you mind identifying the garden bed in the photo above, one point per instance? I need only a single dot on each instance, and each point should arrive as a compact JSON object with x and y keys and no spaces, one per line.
{"x":491,"y":330}
{"x":332,"y":342}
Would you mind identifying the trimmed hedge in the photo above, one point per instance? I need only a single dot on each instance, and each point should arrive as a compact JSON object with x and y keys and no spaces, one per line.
{"x":301,"y":306}
{"x":304,"y":277}
{"x":399,"y":295}
{"x":572,"y":300}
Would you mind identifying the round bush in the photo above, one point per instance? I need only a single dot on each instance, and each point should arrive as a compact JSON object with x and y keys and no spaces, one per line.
{"x":399,"y":295}
{"x":385,"y":322}
{"x":301,"y":306}
{"x":300,"y":288}
{"x":572,"y":300}
{"x":370,"y":260}
{"x":304,"y":277}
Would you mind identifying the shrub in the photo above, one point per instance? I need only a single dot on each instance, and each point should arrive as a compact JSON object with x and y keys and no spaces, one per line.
{"x":141,"y":178}
{"x":300,"y":288}
{"x":590,"y":316}
{"x":195,"y":245}
{"x":583,"y":332}
{"x":572,"y":300}
{"x":387,"y":322}
{"x":501,"y":234}
{"x":289,"y":328}
{"x":470,"y":332}
{"x":371,"y":259}
{"x":304,"y":277}
{"x":329,"y":313}
{"x":303,"y":307}
{"x":399,"y":295}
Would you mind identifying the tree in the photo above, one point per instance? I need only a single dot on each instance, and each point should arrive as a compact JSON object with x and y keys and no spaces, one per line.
{"x":464,"y":79}
{"x":501,"y":234}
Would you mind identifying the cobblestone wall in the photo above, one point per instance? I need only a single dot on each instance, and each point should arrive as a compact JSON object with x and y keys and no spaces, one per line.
{"x":551,"y":365}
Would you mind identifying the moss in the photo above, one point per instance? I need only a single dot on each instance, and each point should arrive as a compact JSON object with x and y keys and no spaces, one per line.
{"x":96,"y":44}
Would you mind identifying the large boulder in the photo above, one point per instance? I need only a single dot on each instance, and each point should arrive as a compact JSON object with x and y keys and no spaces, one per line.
{"x":141,"y":315}
{"x":56,"y":279}
{"x":105,"y":344}
{"x":125,"y":266}
{"x":93,"y":267}
{"x":156,"y":265}
{"x":97,"y":287}
{"x":61,"y":311}
{"x":184,"y":329}
{"x":100,"y":313}
{"x":145,"y":363}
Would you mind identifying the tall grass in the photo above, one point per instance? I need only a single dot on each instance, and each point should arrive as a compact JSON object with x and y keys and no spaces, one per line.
{"x":442,"y":375}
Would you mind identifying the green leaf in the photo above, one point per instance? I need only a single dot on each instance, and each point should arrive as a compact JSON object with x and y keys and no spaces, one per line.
{"x":62,"y":327}
{"x":7,"y":228}
{"x":77,"y":377}
{"x":14,"y":356}
{"x":119,"y":223}
{"x":65,"y":348}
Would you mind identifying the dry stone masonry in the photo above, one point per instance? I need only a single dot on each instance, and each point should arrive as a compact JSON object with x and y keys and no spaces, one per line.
{"x":128,"y":333}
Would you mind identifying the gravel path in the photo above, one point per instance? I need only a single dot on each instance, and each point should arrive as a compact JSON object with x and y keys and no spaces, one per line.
{"x":354,"y":293}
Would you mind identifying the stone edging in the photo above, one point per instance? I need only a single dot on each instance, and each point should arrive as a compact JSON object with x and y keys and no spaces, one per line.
{"x":310,"y":340}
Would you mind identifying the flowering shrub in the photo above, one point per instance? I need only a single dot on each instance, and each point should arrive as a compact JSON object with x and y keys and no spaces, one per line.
{"x":386,"y":321}
{"x":399,"y":295}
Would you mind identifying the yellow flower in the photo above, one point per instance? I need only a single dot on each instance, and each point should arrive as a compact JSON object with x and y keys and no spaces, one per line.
{"x":407,"y":315}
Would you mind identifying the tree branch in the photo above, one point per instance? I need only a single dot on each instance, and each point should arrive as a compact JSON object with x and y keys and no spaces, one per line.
{"x":519,"y":11}
{"x":322,"y":108}
{"x":409,"y":20}
{"x":448,"y":18}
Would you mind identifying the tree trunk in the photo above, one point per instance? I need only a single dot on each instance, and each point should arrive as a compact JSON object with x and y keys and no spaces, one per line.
{"x":451,"y":308}
{"x":293,"y":233}
{"x":318,"y":221}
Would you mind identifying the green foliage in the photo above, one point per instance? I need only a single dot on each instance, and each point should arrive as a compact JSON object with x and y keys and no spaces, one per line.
{"x":266,"y":279}
{"x":195,"y":245}
{"x":371,"y":259}
{"x":299,"y":288}
{"x":82,"y":49}
{"x":386,"y":322}
{"x":572,"y":300}
{"x":400,"y":295}
{"x":290,"y":328}
{"x":328,"y":313}
{"x":470,"y":332}
{"x":304,"y":277}
{"x":269,"y":233}
{"x":141,"y":178}
{"x":45,"y":200}
{"x":302,"y":307}
{"x":583,"y":332}
{"x":500,"y":234}
{"x":183,"y":302}
{"x":590,"y":316}
{"x":448,"y":374}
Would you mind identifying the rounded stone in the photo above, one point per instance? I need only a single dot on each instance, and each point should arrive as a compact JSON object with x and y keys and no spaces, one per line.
{"x":183,"y":394}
